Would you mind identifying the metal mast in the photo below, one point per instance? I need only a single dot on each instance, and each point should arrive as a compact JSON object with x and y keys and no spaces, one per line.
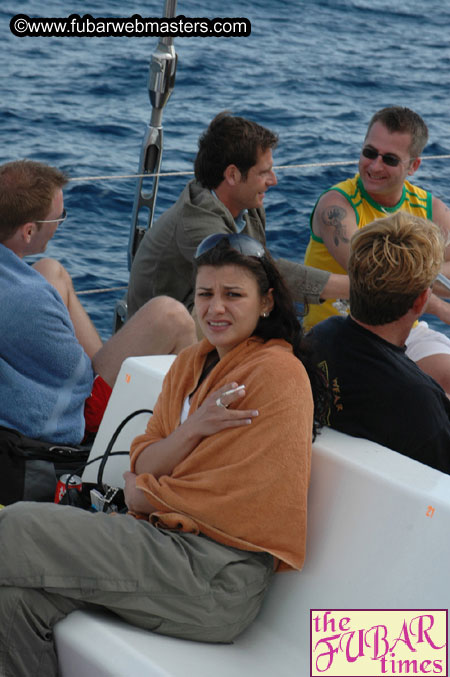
{"x":161,"y":81}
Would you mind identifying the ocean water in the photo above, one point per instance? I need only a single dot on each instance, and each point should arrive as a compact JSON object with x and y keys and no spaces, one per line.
{"x":313,"y":70}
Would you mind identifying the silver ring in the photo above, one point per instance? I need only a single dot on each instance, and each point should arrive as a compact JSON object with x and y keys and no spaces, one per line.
{"x":219,"y":403}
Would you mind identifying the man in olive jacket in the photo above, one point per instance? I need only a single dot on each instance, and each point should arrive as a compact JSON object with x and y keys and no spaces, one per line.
{"x":233,"y":170}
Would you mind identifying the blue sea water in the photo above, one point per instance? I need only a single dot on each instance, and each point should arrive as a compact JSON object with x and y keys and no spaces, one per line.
{"x":313,"y":70}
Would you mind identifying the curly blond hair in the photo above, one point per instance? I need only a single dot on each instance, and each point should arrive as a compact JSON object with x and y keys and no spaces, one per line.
{"x":392,"y":261}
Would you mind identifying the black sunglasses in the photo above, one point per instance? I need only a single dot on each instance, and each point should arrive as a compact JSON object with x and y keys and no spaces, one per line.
{"x":241,"y":243}
{"x":388,"y":158}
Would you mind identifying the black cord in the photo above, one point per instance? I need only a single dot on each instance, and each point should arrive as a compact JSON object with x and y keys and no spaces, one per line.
{"x":112,"y":441}
{"x":106,"y":454}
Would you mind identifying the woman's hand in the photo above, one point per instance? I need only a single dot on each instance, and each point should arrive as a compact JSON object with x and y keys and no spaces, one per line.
{"x":160,"y":458}
{"x":135,"y":498}
{"x":214,"y":415}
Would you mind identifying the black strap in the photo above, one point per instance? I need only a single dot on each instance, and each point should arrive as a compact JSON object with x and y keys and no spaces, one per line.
{"x":71,"y":498}
{"x":107,"y":452}
{"x":27,"y":447}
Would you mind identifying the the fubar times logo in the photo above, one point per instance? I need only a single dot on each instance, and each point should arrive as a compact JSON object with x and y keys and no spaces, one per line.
{"x":379,"y":643}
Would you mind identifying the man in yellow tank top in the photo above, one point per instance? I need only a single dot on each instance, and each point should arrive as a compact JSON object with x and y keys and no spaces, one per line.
{"x":395,"y":139}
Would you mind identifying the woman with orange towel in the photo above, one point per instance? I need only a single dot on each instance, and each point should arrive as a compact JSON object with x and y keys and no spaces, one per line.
{"x":218,"y":484}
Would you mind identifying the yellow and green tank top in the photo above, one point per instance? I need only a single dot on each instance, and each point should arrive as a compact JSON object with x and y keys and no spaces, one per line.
{"x":414,"y":200}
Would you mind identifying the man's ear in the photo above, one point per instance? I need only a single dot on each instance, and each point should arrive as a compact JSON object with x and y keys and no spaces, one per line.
{"x":414,"y":166}
{"x":232,"y":175}
{"x":27,"y":231}
{"x":421,"y":301}
{"x":21,"y":241}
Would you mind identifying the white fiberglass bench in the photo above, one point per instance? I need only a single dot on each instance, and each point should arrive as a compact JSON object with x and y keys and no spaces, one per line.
{"x":378,"y":538}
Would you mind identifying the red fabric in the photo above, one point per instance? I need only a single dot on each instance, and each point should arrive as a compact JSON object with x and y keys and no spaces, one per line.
{"x":95,"y":405}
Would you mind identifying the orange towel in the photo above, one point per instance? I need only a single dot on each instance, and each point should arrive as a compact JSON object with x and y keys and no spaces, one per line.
{"x":243,"y":487}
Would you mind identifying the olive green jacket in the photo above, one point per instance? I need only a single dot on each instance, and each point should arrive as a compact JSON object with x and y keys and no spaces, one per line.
{"x":163,"y":263}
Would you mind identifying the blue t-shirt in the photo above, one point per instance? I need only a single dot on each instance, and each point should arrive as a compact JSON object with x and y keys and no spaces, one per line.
{"x":45,"y":375}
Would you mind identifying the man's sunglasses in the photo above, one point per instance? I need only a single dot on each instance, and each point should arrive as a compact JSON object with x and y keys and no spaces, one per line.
{"x":62,"y":218}
{"x":241,"y":243}
{"x":388,"y":158}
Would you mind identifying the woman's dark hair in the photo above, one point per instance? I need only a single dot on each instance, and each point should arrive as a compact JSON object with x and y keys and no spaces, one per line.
{"x":282,"y":322}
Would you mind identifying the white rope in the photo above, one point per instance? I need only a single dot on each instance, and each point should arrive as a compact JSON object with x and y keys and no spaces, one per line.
{"x":101,"y":291}
{"x":138,"y":176}
{"x":113,"y":177}
{"x":307,"y":165}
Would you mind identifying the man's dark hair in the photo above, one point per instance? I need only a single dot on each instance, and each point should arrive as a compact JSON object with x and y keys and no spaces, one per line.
{"x":403,"y":120}
{"x":230,"y":140}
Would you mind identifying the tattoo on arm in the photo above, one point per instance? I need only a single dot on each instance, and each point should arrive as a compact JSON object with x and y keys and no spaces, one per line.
{"x":333,"y":217}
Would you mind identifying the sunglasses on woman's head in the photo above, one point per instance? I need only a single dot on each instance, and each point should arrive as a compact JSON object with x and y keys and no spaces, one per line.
{"x":241,"y":243}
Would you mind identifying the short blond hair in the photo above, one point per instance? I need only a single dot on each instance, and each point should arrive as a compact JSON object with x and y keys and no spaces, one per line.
{"x":392,"y":261}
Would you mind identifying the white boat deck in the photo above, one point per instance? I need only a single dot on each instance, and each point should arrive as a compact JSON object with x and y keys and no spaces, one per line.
{"x":377,"y":539}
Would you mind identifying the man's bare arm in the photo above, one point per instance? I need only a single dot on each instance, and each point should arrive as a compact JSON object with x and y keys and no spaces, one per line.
{"x":441,"y":217}
{"x":334,"y":222}
{"x":439,"y":308}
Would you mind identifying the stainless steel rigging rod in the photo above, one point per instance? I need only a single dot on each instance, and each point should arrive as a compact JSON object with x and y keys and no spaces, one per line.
{"x":161,"y":82}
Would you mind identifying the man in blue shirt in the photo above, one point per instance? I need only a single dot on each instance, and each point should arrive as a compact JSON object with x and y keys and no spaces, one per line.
{"x":50,"y":352}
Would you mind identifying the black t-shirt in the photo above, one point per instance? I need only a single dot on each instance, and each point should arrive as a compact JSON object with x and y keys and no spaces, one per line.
{"x":380,"y":394}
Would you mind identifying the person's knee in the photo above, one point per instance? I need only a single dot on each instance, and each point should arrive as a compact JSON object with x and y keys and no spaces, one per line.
{"x":50,"y":267}
{"x":169,"y":320}
{"x":55,"y":273}
{"x":168,"y":314}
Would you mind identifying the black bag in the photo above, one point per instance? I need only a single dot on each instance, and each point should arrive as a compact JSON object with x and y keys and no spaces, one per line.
{"x":29,"y":469}
{"x":108,"y":499}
